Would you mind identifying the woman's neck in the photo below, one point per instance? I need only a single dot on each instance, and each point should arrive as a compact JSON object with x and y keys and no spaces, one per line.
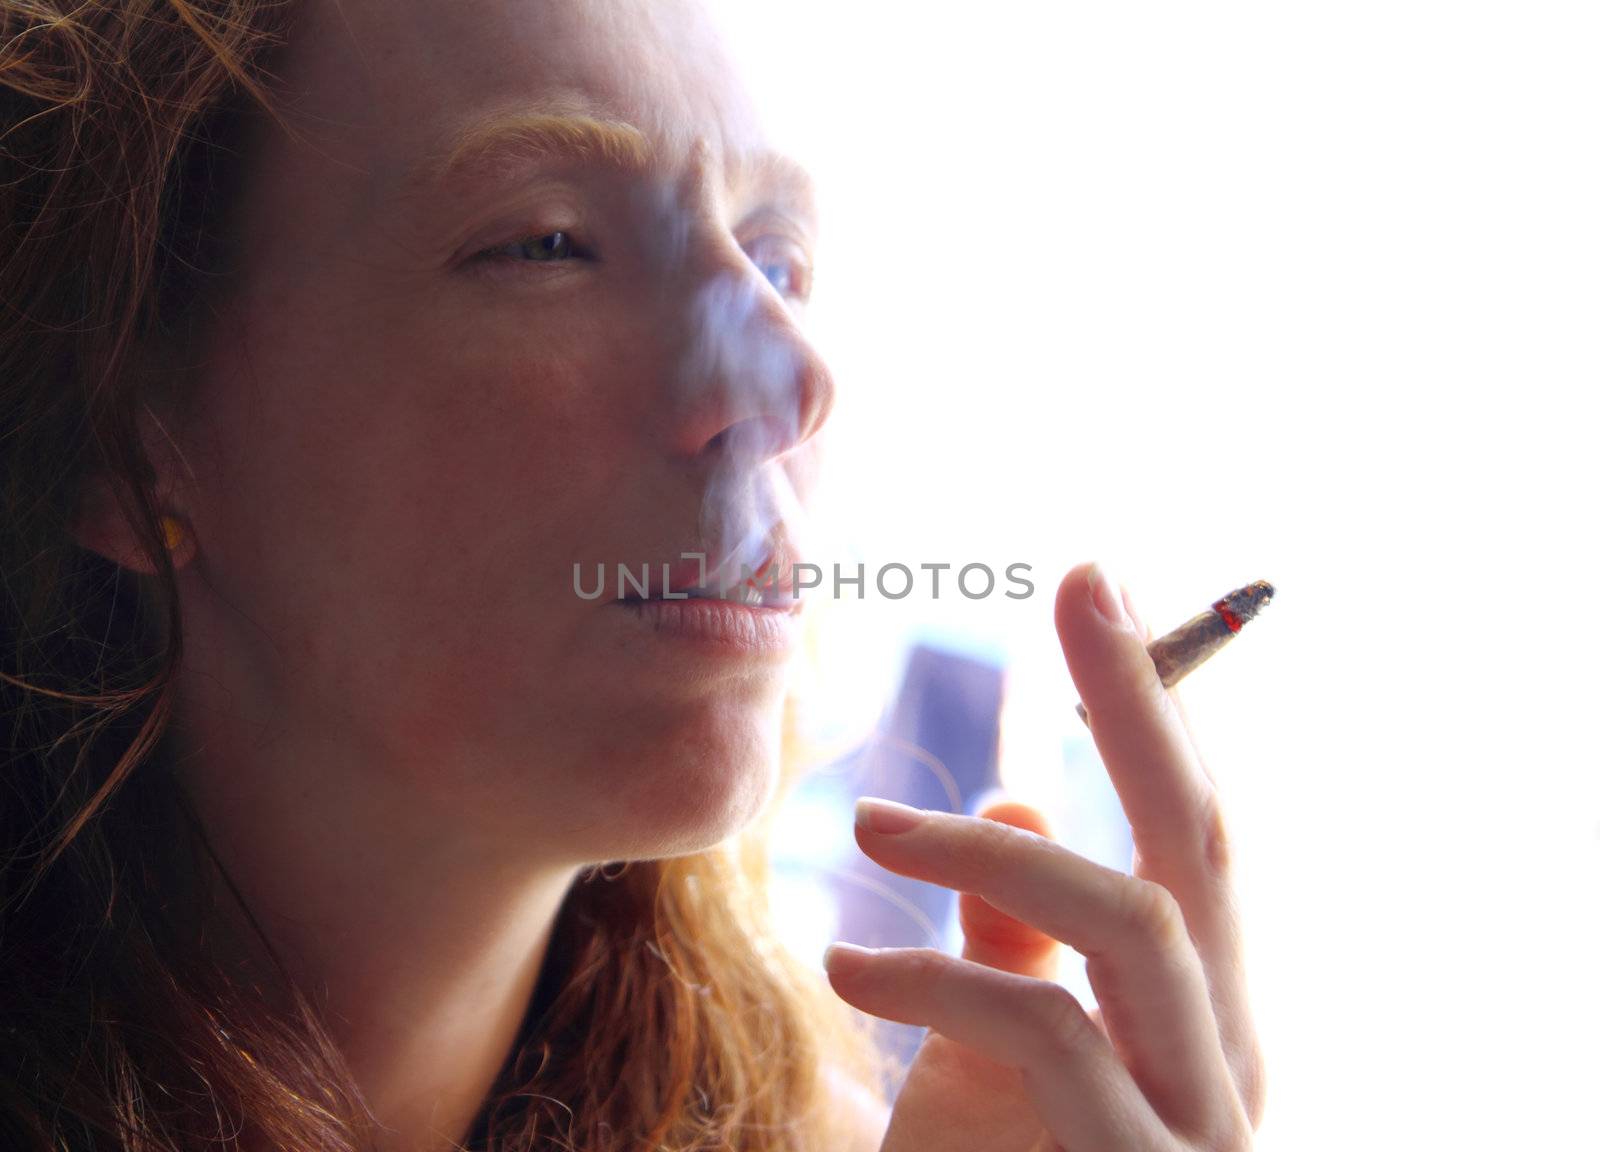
{"x":419,"y":949}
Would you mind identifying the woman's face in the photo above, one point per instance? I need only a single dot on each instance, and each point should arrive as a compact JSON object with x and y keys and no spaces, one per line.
{"x":476,"y":342}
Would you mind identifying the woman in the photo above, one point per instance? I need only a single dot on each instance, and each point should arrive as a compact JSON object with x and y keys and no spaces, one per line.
{"x":342,"y":334}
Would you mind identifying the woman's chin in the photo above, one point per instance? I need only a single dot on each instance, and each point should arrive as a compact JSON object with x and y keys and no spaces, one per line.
{"x":699,"y":785}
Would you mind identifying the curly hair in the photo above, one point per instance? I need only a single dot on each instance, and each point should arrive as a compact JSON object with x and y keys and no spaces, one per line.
{"x":667,"y":1016}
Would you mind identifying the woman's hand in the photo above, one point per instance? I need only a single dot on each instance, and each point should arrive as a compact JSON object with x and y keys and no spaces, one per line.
{"x":1169,"y":1060}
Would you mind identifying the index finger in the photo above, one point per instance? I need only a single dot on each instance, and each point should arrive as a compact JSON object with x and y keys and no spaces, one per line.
{"x":1170,"y":800}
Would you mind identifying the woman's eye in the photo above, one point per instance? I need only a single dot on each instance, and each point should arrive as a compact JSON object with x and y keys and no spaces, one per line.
{"x":784,"y":264}
{"x":547,"y":248}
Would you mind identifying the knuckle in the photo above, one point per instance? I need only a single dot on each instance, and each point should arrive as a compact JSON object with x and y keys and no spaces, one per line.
{"x":989,"y":836}
{"x":1216,"y":848}
{"x":1066,"y":1026}
{"x":986,"y":845}
{"x":976,"y":844}
{"x":1153,"y":912}
{"x":923,"y":964}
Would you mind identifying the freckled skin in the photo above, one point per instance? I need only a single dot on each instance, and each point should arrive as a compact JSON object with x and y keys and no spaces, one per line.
{"x":407,"y":460}
{"x":403,"y":729}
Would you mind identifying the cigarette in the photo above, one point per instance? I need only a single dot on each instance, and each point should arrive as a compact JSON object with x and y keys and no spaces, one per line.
{"x":1190,"y":645}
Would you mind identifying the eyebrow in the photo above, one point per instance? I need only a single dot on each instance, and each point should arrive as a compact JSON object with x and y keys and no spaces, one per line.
{"x":512,"y":138}
{"x":504,"y":143}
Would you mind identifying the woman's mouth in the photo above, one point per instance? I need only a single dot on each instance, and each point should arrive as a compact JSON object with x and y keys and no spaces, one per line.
{"x":724,"y":625}
{"x":754,"y":613}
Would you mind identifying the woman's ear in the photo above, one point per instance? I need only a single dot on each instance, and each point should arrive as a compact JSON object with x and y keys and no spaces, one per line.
{"x":101,"y":525}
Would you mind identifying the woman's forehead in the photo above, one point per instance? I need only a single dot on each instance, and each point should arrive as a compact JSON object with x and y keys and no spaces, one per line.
{"x":399,"y":76}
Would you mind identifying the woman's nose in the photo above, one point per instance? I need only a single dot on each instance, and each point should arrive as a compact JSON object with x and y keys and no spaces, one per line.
{"x":750,"y":384}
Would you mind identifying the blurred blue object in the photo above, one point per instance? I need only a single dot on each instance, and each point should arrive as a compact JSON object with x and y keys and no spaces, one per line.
{"x":937,"y":748}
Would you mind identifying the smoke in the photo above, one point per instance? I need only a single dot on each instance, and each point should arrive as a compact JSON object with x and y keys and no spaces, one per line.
{"x":753,"y":373}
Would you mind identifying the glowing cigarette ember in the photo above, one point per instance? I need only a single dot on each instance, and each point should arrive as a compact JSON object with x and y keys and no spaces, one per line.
{"x":1190,"y":645}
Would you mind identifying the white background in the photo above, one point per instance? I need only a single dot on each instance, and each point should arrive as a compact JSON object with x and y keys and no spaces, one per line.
{"x":1303,"y":292}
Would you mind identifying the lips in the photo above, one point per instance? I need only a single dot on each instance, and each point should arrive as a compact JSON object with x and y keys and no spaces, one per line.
{"x":769,"y":584}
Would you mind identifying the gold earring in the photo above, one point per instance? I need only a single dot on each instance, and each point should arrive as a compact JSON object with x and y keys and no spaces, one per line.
{"x":173,"y":532}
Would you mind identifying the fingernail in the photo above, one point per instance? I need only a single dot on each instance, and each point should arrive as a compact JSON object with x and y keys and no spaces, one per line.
{"x":885,"y":817}
{"x":1133,"y":614}
{"x":841,"y":959}
{"x":1107,"y":597}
